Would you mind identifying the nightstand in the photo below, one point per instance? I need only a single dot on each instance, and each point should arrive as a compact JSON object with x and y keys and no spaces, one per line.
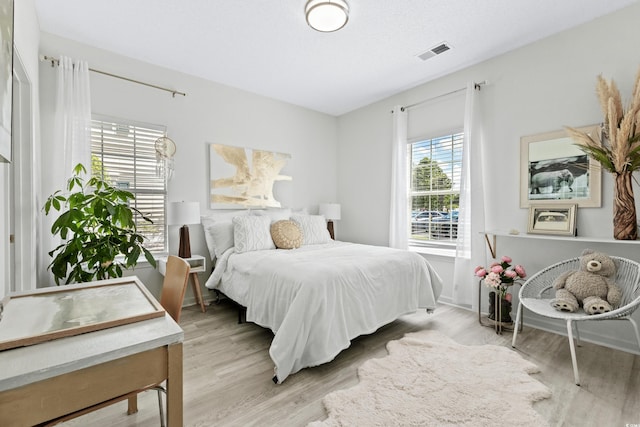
{"x":198,"y":264}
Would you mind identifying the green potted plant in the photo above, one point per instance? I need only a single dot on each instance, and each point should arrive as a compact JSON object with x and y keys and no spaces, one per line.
{"x":98,"y":229}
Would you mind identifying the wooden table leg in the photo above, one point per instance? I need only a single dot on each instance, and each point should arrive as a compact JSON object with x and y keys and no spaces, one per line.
{"x":174,"y":386}
{"x":197,"y":292}
{"x":133,"y":405}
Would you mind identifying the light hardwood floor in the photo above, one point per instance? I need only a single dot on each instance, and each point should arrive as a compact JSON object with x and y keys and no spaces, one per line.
{"x":227,"y":374}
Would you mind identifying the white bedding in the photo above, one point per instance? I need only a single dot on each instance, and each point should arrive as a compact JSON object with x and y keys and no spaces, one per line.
{"x":317,"y":298}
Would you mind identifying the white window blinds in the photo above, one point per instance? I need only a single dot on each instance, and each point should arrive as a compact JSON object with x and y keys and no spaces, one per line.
{"x":435,"y":166}
{"x":123,"y":153}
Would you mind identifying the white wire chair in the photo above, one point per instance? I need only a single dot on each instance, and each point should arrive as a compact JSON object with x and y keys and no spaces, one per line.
{"x":538,"y":291}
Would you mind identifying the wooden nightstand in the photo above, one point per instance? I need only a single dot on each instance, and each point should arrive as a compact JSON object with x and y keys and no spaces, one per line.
{"x":198,"y":264}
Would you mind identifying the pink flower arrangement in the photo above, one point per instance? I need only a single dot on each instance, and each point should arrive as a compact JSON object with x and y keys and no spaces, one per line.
{"x":500,"y":274}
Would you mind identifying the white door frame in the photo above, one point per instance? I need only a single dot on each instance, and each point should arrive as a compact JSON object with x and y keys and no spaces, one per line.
{"x":24,"y":177}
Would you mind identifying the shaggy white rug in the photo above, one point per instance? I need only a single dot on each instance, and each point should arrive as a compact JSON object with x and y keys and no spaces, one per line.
{"x":429,"y":380}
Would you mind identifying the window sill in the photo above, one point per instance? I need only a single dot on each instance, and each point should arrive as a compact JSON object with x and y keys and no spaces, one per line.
{"x":142,"y":261}
{"x":443,"y":252}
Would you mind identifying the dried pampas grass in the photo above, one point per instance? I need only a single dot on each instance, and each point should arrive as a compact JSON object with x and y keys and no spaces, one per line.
{"x":618,"y":149}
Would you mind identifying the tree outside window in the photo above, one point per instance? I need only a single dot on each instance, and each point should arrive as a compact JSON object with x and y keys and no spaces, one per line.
{"x":435,"y":189}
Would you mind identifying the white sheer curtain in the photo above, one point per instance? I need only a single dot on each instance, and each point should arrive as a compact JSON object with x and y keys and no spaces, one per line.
{"x":398,"y":215}
{"x":470,"y":248}
{"x":71,"y":144}
{"x":73,"y":112}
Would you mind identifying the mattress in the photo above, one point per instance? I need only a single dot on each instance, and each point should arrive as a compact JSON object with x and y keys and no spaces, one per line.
{"x":317,"y":298}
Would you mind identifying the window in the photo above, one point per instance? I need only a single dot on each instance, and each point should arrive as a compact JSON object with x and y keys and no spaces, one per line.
{"x":434,"y":193}
{"x":124,"y":154}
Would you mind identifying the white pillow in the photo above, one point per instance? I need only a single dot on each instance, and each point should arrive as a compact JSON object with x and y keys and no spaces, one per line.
{"x":222,"y":234}
{"x":218,"y":231}
{"x":314,"y":229}
{"x":274,"y":214}
{"x":252,"y":233}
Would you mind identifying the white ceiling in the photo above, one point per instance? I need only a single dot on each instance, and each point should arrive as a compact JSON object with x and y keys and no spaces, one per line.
{"x":265,"y":46}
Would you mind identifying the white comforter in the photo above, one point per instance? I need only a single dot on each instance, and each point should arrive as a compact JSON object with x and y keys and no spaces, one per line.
{"x":317,"y":298}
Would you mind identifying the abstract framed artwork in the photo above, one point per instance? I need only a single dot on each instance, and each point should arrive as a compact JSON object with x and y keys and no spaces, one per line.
{"x":6,"y":78}
{"x":552,"y":219}
{"x":248,"y":178}
{"x":554,"y":170}
{"x":66,"y":311}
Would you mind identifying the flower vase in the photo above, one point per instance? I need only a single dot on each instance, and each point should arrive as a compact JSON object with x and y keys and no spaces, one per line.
{"x":492,"y":306}
{"x":505,"y":311}
{"x":501,"y":314}
{"x":625,"y":225}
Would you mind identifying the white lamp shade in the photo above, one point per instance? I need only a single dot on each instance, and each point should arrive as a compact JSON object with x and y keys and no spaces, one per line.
{"x":182,"y":213}
{"x":330,"y":211}
{"x":327,"y":15}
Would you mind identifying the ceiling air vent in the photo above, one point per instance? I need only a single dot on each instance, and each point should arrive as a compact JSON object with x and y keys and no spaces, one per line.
{"x":436,"y":50}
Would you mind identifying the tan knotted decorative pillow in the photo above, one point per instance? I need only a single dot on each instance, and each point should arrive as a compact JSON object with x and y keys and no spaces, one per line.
{"x":286,"y":234}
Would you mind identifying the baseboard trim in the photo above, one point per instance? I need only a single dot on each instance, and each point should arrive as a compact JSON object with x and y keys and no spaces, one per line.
{"x":531,"y":320}
{"x":559,"y":327}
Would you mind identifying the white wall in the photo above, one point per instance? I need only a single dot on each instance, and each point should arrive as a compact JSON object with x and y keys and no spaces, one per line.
{"x":26,"y":39}
{"x":538,"y":88}
{"x":209,"y":113}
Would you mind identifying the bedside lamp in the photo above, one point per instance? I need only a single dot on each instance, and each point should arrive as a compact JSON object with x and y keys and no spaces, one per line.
{"x":331,"y":212}
{"x":184,"y":213}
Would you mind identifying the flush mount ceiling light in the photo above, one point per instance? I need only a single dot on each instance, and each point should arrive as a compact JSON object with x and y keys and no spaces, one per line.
{"x":327,"y":15}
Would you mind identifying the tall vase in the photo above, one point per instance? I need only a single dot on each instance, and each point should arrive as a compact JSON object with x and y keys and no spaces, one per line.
{"x":625,"y":225}
{"x":502,"y":313}
{"x":505,"y":311}
{"x":492,"y":305}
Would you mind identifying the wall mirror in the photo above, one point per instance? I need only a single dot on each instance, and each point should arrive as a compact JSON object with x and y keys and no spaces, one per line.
{"x":554,"y":170}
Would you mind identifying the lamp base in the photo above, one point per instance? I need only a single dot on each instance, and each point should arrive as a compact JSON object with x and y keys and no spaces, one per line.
{"x":330,"y":228}
{"x":184,"y":250}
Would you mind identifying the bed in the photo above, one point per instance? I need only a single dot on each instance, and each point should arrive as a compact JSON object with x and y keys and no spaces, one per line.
{"x":317,"y":297}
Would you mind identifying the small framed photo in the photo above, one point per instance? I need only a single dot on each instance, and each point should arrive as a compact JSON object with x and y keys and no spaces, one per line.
{"x":552,"y":219}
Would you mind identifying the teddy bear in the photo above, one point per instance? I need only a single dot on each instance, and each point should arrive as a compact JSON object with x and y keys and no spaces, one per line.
{"x":591,"y":287}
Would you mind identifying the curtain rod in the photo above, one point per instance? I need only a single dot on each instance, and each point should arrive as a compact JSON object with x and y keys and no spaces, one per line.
{"x":424,"y":101}
{"x":55,"y":61}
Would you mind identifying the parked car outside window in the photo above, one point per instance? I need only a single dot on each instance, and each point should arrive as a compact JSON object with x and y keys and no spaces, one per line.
{"x":551,"y":221}
{"x":421,"y":220}
{"x":445,"y":226}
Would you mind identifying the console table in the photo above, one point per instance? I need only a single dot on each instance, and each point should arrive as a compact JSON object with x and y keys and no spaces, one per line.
{"x":80,"y":373}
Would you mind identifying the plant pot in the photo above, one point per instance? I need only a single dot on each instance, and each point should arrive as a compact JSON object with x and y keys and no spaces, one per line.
{"x":625,"y":226}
